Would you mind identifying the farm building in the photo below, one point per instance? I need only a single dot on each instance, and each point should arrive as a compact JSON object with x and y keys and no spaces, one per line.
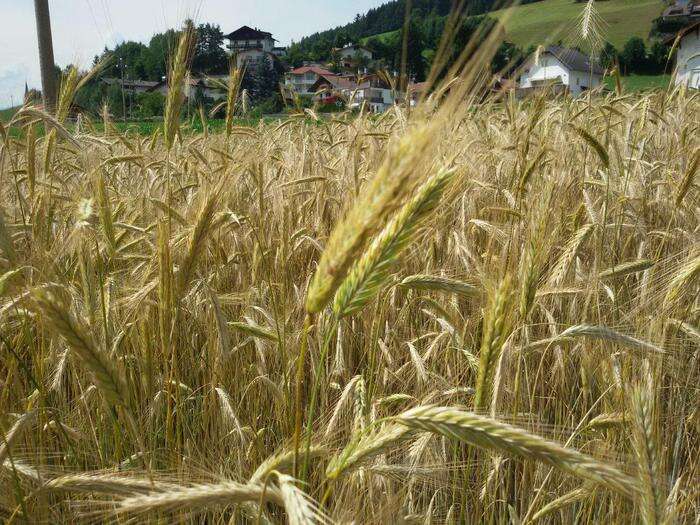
{"x":560,"y":68}
{"x":688,"y":56}
{"x":250,"y":46}
{"x":302,"y":79}
{"x":353,"y":55}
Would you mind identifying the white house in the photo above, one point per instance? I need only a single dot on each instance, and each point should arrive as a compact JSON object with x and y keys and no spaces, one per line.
{"x":302,"y":79}
{"x":351,"y":55}
{"x":132,"y":86}
{"x":250,"y":46}
{"x":374,"y":93}
{"x":563,"y":68}
{"x":688,"y":56}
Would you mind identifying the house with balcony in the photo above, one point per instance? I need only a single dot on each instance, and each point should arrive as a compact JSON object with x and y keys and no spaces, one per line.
{"x":250,"y":46}
{"x":302,"y":79}
{"x":353,"y":56}
{"x":562,"y":70}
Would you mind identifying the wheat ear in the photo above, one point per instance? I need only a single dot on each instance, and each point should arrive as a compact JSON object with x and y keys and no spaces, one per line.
{"x":487,"y":433}
{"x":198,"y":497}
{"x":104,"y":372}
{"x":301,"y":509}
{"x":176,"y":84}
{"x":652,"y":502}
{"x":496,"y":331}
{"x":559,"y":503}
{"x":439,"y":284}
{"x":105,"y":484}
{"x":365,"y":445}
{"x":377,"y":200}
{"x":371,"y":271}
{"x":23,"y":423}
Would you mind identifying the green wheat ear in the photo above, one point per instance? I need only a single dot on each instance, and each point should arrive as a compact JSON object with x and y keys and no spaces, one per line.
{"x":371,"y":271}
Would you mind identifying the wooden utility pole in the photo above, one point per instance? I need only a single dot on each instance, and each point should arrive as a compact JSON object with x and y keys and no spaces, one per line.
{"x":43,"y":31}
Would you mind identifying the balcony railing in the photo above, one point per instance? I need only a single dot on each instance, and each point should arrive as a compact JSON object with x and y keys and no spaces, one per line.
{"x":244,"y":47}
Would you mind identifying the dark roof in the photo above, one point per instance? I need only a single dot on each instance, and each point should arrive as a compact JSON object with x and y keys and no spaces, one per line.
{"x":690,"y":9}
{"x":672,"y":38}
{"x":248,"y":33}
{"x":146,"y":84}
{"x":575,"y":60}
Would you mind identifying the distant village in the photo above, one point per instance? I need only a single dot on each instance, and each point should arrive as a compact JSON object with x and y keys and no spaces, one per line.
{"x":355,"y":80}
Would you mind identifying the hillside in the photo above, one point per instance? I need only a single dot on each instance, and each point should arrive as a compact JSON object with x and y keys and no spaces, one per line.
{"x":7,"y":114}
{"x":552,"y":20}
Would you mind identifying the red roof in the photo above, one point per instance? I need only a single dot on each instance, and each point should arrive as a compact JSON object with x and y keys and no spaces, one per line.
{"x":312,"y":69}
{"x":337,"y":81}
{"x":418,"y":87}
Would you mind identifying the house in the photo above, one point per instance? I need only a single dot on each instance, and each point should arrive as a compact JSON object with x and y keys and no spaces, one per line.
{"x":330,"y":89}
{"x":353,"y":55}
{"x":683,"y":10}
{"x":248,"y":38}
{"x":206,"y":87}
{"x":302,"y":79}
{"x":417,"y":90}
{"x":370,"y":92}
{"x":562,"y":69}
{"x":250,"y":47}
{"x":374,"y":93}
{"x":132,"y":86}
{"x":688,"y":56}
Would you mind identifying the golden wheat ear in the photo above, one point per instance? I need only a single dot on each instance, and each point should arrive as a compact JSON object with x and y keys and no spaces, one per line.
{"x":487,"y":433}
{"x":177,"y":76}
{"x":372,"y":270}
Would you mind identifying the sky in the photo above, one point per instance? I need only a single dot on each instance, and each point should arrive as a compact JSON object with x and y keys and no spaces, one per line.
{"x":82,"y":28}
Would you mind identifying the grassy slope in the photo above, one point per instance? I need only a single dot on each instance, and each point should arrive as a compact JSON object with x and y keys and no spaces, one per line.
{"x":6,"y":114}
{"x":635,"y":83}
{"x":552,"y":20}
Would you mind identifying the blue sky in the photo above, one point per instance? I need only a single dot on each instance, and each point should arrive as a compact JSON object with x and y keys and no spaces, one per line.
{"x":82,"y":28}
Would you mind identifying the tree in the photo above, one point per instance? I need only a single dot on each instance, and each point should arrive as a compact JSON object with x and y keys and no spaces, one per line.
{"x":295,"y":55}
{"x":114,"y":100}
{"x":608,"y":55}
{"x":155,"y":58}
{"x":415,"y":63}
{"x":261,"y":80}
{"x":131,"y":56}
{"x":658,"y":58}
{"x":209,"y":55}
{"x":634,"y":56}
{"x":150,"y":104}
{"x":507,"y":56}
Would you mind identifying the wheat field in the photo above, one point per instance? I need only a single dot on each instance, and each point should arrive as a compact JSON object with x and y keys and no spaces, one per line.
{"x":479,"y":310}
